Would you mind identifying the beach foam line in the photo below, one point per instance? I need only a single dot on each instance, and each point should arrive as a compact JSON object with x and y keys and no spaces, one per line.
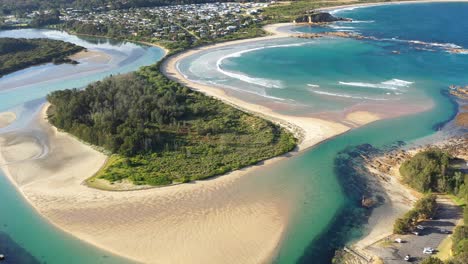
{"x":239,"y":90}
{"x":268,"y":83}
{"x":423,"y":43}
{"x":348,"y":96}
{"x":394,"y":84}
{"x":340,"y":27}
{"x":313,"y":85}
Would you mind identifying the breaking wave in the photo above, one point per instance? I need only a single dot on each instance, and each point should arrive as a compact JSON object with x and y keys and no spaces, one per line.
{"x":394,"y":84}
{"x":348,"y":96}
{"x":313,"y":85}
{"x":246,"y":78}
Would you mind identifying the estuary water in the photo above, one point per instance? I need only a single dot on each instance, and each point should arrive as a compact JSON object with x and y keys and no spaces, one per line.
{"x":401,"y":72}
{"x":25,"y":237}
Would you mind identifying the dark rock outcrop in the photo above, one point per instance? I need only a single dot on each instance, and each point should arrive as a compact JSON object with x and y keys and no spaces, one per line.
{"x":319,"y":17}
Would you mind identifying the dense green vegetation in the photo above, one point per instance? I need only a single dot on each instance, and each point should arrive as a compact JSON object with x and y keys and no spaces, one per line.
{"x":432,"y":260}
{"x":17,"y":54}
{"x":162,"y":132}
{"x":423,"y":209}
{"x":434,"y":170}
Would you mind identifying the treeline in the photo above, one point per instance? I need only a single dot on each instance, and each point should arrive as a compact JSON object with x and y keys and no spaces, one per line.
{"x":22,"y":6}
{"x":434,"y":171}
{"x":423,"y":209}
{"x":17,"y":54}
{"x":162,"y":132}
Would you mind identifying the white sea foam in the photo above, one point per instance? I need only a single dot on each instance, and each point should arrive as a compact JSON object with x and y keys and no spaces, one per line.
{"x":268,"y":83}
{"x":394,"y":84}
{"x":313,"y":85}
{"x":398,"y":82}
{"x":340,"y":27}
{"x":248,"y":91}
{"x":431,"y":44}
{"x":360,"y":21}
{"x":348,"y":96}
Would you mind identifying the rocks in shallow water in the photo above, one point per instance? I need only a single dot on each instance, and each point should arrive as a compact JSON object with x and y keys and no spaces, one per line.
{"x":367,"y":202}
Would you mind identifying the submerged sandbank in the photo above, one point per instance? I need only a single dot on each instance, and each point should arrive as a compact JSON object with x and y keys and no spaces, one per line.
{"x":6,"y":118}
{"x":91,"y":56}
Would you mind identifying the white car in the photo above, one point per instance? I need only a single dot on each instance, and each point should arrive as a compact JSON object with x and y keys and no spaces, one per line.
{"x":420,"y":227}
{"x":428,"y":250}
{"x":407,"y":258}
{"x":398,"y":240}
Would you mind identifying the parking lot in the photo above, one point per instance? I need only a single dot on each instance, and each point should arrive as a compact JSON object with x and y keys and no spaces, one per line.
{"x":432,"y":235}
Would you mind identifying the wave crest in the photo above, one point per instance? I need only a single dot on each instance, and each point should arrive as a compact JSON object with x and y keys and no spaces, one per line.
{"x":393,"y":84}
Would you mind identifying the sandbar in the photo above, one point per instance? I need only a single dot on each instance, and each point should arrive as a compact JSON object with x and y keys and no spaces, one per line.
{"x":6,"y":118}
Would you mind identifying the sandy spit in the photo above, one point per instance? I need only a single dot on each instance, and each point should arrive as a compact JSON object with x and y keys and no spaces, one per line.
{"x":6,"y":118}
{"x":162,"y":225}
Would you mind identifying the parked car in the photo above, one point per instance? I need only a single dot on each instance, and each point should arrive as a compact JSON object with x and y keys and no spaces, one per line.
{"x":407,"y":258}
{"x":444,"y":231}
{"x":428,"y":250}
{"x":415,"y":233}
{"x":398,"y":240}
{"x":420,"y":227}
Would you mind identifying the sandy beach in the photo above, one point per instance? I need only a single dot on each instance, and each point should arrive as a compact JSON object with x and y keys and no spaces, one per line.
{"x":6,"y":118}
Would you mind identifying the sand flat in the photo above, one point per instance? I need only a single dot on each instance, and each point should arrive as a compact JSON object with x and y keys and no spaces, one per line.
{"x":161,"y":225}
{"x":6,"y":118}
{"x":91,"y":56}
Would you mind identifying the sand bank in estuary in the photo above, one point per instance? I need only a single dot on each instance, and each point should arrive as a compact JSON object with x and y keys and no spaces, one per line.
{"x":203,"y":222}
{"x":6,"y":118}
{"x":91,"y":56}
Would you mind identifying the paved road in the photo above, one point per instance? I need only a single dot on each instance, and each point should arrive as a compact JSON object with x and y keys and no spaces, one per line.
{"x":446,"y":218}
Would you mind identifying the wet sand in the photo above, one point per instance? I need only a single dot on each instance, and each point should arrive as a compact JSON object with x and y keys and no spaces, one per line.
{"x":6,"y":118}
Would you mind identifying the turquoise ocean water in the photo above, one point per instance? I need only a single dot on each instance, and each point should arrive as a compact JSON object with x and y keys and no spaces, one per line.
{"x":407,"y":66}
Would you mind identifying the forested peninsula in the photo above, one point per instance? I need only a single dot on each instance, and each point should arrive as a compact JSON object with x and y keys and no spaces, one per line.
{"x":17,"y":54}
{"x":159,"y":132}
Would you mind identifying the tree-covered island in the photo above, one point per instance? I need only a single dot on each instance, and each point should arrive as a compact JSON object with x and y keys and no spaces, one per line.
{"x":19,"y":53}
{"x":159,"y":132}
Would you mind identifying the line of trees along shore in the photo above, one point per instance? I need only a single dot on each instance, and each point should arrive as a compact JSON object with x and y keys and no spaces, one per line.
{"x":429,"y":171}
{"x":17,"y":54}
{"x":161,"y":132}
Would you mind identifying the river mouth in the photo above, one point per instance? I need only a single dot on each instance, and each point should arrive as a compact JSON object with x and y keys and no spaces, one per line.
{"x":309,"y":188}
